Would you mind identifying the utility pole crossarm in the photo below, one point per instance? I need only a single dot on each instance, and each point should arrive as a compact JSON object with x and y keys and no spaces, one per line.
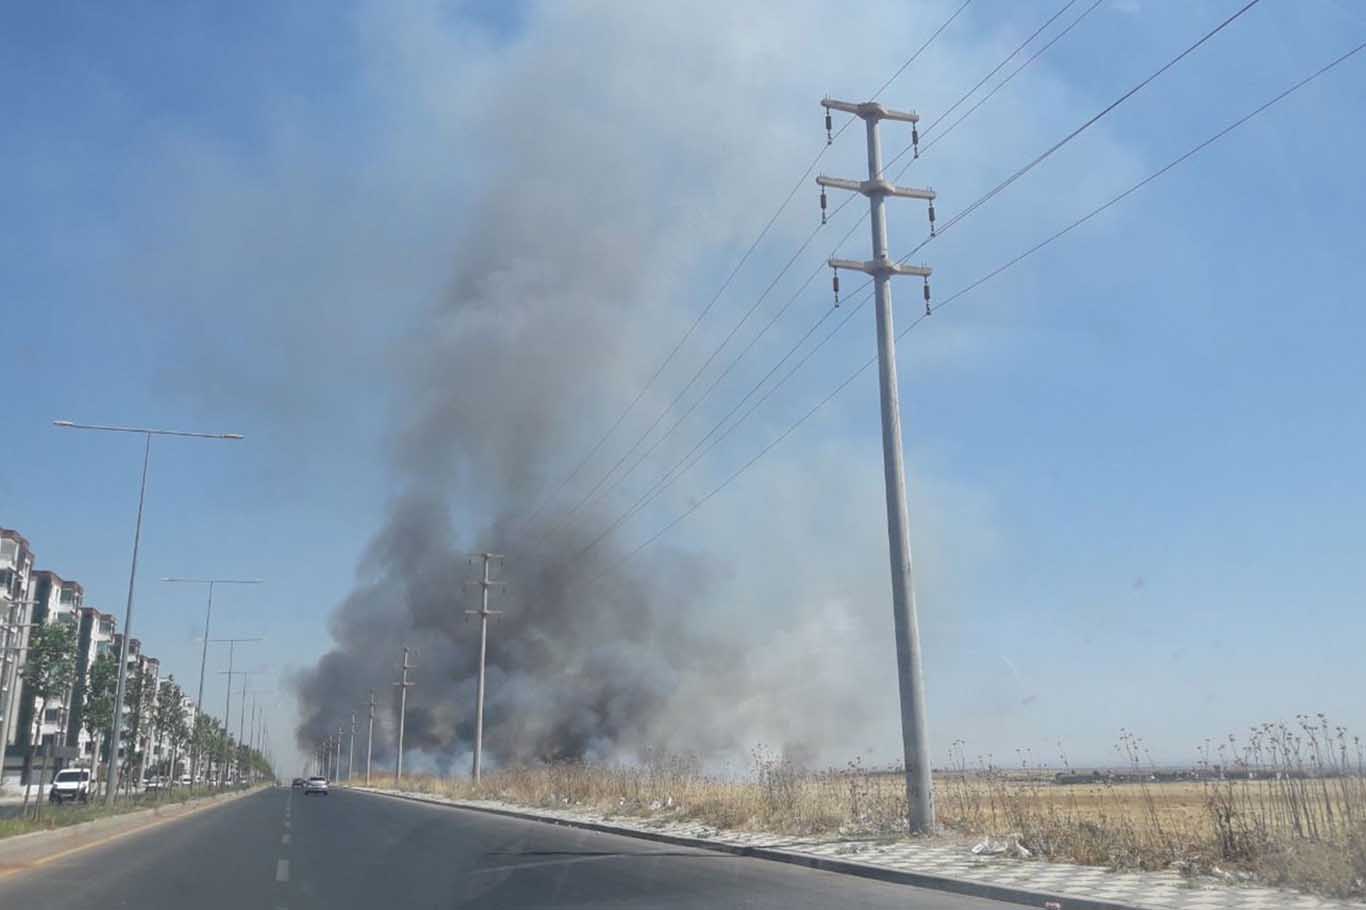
{"x":870,"y":110}
{"x":882,"y":267}
{"x":876,"y":187}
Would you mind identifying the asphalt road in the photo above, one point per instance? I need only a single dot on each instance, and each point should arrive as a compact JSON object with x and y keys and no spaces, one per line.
{"x":280,"y":850}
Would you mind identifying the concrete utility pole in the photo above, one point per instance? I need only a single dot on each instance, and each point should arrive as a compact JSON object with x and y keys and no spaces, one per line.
{"x":370,"y":738}
{"x":351,"y":749}
{"x":483,"y":613}
{"x":910,"y":673}
{"x":336,"y":769}
{"x":403,"y":687}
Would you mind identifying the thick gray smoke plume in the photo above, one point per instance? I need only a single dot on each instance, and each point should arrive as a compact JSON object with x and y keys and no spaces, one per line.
{"x":560,"y":298}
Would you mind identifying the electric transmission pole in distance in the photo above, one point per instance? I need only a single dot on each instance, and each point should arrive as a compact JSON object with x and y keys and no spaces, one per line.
{"x":403,"y":686}
{"x":483,"y":613}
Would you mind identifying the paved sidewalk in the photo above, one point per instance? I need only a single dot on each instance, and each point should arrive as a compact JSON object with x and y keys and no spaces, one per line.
{"x":1145,"y":890}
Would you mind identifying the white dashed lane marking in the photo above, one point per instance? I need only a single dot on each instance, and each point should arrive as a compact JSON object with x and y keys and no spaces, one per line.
{"x":285,"y":840}
{"x":282,"y":871}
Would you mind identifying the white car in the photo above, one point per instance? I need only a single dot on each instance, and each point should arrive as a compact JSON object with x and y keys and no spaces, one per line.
{"x":70,"y":784}
{"x":315,"y":785}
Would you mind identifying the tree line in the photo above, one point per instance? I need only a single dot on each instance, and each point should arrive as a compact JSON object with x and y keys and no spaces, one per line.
{"x":155,"y":712}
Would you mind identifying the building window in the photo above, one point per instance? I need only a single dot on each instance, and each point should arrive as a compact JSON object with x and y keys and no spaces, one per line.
{"x":52,"y":715}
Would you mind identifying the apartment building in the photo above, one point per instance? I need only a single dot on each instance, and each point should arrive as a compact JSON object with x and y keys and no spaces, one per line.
{"x":94,"y":638}
{"x":30,"y":598}
{"x":57,"y":602}
{"x":16,"y":577}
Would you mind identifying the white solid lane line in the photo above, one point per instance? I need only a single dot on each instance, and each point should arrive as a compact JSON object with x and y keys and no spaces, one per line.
{"x":282,"y":871}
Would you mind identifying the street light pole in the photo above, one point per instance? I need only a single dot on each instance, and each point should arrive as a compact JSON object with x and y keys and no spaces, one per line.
{"x":204,"y":650}
{"x":241,"y":726}
{"x":251,"y":740}
{"x":227,"y":703}
{"x":116,"y":723}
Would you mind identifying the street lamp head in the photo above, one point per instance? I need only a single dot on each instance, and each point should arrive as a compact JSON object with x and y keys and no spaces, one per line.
{"x":215,"y":581}
{"x":146,"y":431}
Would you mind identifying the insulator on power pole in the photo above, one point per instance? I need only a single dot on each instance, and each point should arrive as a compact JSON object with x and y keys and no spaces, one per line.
{"x":915,"y":141}
{"x":927,"y":297}
{"x":931,"y":219}
{"x":823,"y":204}
{"x":835,"y":281}
{"x":828,"y":124}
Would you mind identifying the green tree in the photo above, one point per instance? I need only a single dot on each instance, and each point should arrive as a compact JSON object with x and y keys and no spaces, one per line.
{"x":205,"y":742}
{"x":98,"y":714}
{"x":139,"y":695}
{"x":49,"y":671}
{"x":166,"y":713}
{"x":179,"y":734}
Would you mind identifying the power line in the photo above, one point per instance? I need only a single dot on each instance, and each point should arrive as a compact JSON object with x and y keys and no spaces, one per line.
{"x":1151,"y":177}
{"x":735,"y":361}
{"x":597,"y":446}
{"x":593,"y":494}
{"x":583,"y":462}
{"x":1000,"y":85}
{"x":987,"y":277}
{"x":991,"y":194}
{"x":928,"y":41}
{"x":649,"y":494}
{"x":587,"y":497}
{"x":1009,"y":57}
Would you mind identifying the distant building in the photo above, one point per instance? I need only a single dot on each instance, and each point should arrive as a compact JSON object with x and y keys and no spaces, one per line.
{"x":54,"y":600}
{"x":16,"y":577}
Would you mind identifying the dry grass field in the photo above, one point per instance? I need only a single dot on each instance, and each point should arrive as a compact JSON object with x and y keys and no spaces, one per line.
{"x":1301,"y":821}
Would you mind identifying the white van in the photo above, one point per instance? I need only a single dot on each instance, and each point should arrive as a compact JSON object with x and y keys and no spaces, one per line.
{"x":70,"y":784}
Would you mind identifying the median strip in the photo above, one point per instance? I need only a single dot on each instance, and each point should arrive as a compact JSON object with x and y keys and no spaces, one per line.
{"x":20,"y":852}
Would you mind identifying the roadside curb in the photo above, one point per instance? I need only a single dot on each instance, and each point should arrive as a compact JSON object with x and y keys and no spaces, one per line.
{"x":967,"y":887}
{"x":24,"y":851}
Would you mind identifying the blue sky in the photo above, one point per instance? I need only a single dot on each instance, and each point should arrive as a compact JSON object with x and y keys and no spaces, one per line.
{"x":1135,"y":489}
